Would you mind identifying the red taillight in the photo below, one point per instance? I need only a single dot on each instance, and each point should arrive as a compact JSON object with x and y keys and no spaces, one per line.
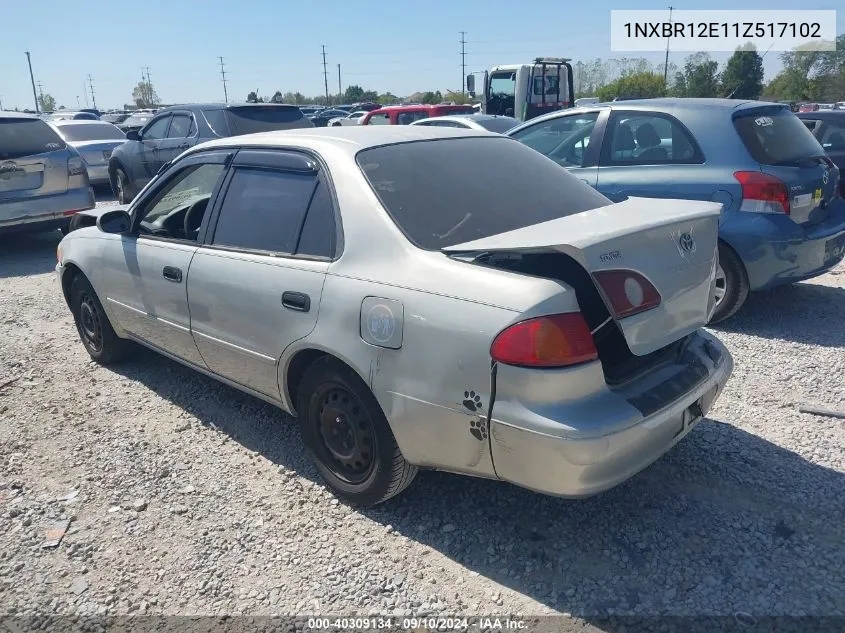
{"x":628,"y":291}
{"x":72,"y":211}
{"x":556,"y":340}
{"x":762,"y":193}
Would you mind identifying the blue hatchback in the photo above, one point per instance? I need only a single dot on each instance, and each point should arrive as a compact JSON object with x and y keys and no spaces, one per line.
{"x":783,"y":219}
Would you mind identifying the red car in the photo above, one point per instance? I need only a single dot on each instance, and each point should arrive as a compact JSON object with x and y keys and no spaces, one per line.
{"x":405,"y":115}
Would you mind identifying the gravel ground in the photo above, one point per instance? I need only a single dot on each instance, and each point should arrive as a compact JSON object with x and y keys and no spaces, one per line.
{"x":188,"y":497}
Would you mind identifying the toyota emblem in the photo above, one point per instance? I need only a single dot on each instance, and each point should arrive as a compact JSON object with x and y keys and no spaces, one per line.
{"x":686,"y":243}
{"x":826,"y":176}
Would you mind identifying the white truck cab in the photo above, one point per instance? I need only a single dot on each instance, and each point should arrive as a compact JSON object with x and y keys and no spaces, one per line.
{"x":525,"y":91}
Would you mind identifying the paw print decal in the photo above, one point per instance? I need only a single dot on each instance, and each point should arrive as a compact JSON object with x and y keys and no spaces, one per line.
{"x":472,"y":401}
{"x":478,"y":428}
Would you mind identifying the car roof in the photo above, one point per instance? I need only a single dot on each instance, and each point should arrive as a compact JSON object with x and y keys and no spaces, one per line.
{"x":8,"y":114}
{"x":222,"y":106}
{"x":61,"y":122}
{"x":350,"y":139}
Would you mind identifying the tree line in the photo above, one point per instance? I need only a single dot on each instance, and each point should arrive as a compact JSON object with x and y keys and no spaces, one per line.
{"x":806,"y":76}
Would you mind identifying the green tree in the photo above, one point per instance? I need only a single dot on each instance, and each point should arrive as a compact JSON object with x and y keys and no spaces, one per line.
{"x":637,"y":85}
{"x":457,"y":98}
{"x":277,"y":97}
{"x":699,"y":78}
{"x":743,"y":74}
{"x":387,"y":98}
{"x":253,"y":97}
{"x":296,"y":98}
{"x":353,"y":94}
{"x":431,"y":97}
{"x":144,"y":95}
{"x":46,"y":102}
{"x":813,"y":74}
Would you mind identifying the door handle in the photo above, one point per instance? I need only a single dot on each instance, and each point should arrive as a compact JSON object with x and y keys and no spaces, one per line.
{"x":183,"y":146}
{"x":171,"y":273}
{"x":296,"y":301}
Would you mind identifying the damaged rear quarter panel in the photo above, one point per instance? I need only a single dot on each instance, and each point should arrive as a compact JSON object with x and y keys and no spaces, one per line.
{"x":434,"y":389}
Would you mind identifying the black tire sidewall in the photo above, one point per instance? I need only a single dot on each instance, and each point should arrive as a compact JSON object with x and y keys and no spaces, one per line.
{"x":121,"y":178}
{"x":317,"y":379}
{"x":736,"y":285}
{"x":112,"y":345}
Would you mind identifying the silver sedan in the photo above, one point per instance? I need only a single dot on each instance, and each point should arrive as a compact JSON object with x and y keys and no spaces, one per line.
{"x":417,"y":297}
{"x":95,"y":141}
{"x":485,"y":122}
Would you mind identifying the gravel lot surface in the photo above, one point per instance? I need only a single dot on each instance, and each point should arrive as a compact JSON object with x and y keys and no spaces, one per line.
{"x":188,"y":497}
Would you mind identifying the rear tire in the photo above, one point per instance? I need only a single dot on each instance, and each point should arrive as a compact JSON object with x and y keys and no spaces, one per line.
{"x":120,"y":186}
{"x":348,"y":436}
{"x":731,"y":283}
{"x":92,"y":324}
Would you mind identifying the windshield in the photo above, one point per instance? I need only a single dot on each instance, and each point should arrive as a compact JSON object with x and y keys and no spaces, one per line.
{"x":251,"y":119}
{"x":499,"y":124}
{"x":137,"y":120}
{"x":502,"y":83}
{"x":27,"y":137}
{"x":449,"y":191}
{"x":776,"y":137}
{"x":93,"y":132}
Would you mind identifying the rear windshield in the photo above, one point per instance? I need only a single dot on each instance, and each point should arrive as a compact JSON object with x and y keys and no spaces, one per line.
{"x":26,"y":137}
{"x":93,"y":132}
{"x":262,"y":119}
{"x":777,"y":137}
{"x":448,"y":191}
{"x":139,"y":120}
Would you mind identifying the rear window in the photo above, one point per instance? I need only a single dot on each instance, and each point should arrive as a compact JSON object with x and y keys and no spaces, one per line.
{"x":263,"y":119}
{"x":448,"y":191}
{"x":27,"y":137}
{"x":93,"y":132}
{"x":776,"y":137}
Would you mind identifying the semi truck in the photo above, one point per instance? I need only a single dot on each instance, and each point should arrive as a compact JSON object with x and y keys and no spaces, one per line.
{"x":525,"y":91}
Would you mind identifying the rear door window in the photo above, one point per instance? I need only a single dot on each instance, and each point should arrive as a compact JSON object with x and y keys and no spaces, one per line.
{"x":252,"y":119}
{"x":180,"y":126}
{"x":424,"y":187}
{"x":264,"y":210}
{"x":647,"y":138}
{"x":776,"y":137}
{"x":27,"y":137}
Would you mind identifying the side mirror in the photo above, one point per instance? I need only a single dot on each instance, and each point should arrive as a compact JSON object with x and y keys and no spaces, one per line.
{"x":117,"y":221}
{"x":471,"y":83}
{"x":133,"y":135}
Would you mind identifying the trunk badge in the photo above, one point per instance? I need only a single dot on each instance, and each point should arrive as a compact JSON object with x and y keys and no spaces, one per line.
{"x":686,"y":245}
{"x":826,"y":176}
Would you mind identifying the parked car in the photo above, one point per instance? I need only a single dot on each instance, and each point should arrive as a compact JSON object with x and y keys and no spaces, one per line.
{"x":407,"y":114}
{"x":402,"y":326}
{"x":489,"y":122}
{"x":322,"y":118}
{"x":67,"y":115}
{"x":829,"y":130}
{"x":366,"y":106}
{"x":42,"y":179}
{"x":782,"y":220}
{"x":174,"y":129}
{"x":808,"y":107}
{"x":135,"y":121}
{"x":115,"y":117}
{"x":353,"y":118}
{"x":95,"y":141}
{"x":308,"y":110}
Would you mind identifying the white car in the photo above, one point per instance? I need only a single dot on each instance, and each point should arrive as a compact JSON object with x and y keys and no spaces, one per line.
{"x":485,"y":122}
{"x":353,"y":118}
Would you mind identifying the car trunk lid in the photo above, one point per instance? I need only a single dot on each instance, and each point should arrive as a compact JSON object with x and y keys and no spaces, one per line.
{"x":33,"y":159}
{"x":671,"y":244}
{"x":96,"y":152}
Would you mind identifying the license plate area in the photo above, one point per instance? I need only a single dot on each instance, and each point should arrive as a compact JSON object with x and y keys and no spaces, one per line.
{"x":694,"y":413}
{"x":834,"y":249}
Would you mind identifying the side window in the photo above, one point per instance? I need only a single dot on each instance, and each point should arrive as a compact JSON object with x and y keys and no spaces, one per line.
{"x":406,"y":118}
{"x":379,"y":119}
{"x":810,"y":124}
{"x":648,"y":139}
{"x":263,"y":210}
{"x":833,"y":137}
{"x":216,"y":120}
{"x":429,"y":123}
{"x":318,"y":232}
{"x":563,"y":139}
{"x":180,"y":126}
{"x":191,"y":187}
{"x":157,"y":129}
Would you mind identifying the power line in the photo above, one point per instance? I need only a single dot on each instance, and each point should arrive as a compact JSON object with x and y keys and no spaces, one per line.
{"x":91,"y":85}
{"x":325,"y":74}
{"x":32,"y":79}
{"x":223,"y":73}
{"x":463,"y":62}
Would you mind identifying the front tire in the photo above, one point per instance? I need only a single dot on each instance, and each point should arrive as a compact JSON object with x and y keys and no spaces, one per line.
{"x":92,"y":324}
{"x":120,"y":186}
{"x":731,"y":284}
{"x":348,"y":436}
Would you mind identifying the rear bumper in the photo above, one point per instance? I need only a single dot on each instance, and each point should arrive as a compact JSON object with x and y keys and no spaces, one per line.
{"x":98,"y":174}
{"x":46,"y":212}
{"x":568,"y":464}
{"x":777,"y":251}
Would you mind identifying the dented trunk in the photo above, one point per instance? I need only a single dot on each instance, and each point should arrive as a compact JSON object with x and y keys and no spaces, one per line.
{"x":669,"y":244}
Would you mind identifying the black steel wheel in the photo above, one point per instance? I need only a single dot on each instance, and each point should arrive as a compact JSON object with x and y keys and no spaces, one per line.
{"x":348,"y":436}
{"x":92,"y":324}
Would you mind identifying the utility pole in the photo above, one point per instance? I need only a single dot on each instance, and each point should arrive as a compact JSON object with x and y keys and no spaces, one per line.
{"x":32,"y":79}
{"x":149,"y":87}
{"x":91,"y":84}
{"x":77,"y":102}
{"x":40,"y":94}
{"x":325,"y":75}
{"x":463,"y":63}
{"x":223,"y":73}
{"x":666,"y":61}
{"x":339,"y":89}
